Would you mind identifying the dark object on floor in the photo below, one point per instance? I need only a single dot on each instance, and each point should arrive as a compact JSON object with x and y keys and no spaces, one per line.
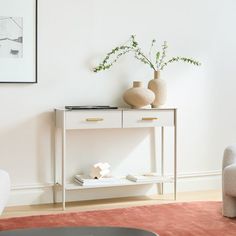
{"x":79,"y":231}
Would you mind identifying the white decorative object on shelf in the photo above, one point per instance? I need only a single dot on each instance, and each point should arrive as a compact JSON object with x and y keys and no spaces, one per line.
{"x":100,"y":170}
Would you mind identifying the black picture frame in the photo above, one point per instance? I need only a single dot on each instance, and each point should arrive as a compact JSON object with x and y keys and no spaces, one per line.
{"x":35,"y":80}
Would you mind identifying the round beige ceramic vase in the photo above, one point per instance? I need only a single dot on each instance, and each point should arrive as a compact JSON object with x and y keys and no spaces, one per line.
{"x":158,"y":86}
{"x":138,"y":96}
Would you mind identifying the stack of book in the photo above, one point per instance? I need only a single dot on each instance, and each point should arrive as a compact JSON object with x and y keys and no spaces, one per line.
{"x":144,"y":178}
{"x":84,"y":180}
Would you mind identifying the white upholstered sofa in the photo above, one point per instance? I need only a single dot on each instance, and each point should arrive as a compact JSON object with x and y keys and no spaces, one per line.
{"x":229,"y":181}
{"x":4,"y":189}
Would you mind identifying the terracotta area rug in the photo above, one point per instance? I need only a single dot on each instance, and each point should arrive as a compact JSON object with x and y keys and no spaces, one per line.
{"x":178,"y":219}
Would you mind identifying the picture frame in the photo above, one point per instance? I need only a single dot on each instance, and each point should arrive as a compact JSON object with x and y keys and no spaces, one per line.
{"x":18,"y":41}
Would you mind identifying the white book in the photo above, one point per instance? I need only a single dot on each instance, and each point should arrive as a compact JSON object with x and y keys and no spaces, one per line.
{"x":98,"y":183}
{"x":143,"y":178}
{"x":86,"y":180}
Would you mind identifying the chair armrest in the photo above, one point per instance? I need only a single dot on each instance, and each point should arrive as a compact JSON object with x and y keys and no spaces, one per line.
{"x":4,"y":189}
{"x":229,"y":156}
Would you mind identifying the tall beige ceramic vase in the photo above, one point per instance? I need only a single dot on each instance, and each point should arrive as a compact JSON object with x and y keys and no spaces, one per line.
{"x":158,"y":86}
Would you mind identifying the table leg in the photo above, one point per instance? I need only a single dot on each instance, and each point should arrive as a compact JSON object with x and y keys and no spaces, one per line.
{"x":54,"y":166}
{"x":63,"y":165}
{"x":162,"y":157}
{"x":175,"y":155}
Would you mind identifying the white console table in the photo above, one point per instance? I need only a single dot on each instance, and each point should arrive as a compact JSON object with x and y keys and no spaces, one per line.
{"x":117,"y":118}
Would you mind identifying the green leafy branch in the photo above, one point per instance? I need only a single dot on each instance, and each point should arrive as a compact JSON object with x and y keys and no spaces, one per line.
{"x":177,"y":59}
{"x":133,"y":46}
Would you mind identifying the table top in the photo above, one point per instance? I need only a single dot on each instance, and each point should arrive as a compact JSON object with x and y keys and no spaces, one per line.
{"x":79,"y":231}
{"x":118,"y":109}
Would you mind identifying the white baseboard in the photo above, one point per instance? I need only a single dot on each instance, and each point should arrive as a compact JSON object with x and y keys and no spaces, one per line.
{"x":42,"y":193}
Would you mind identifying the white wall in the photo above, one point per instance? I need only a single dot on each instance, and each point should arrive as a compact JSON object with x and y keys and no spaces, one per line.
{"x":73,"y":34}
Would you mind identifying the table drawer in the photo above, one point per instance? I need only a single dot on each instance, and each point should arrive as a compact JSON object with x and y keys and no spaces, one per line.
{"x":93,"y":119}
{"x":148,"y":118}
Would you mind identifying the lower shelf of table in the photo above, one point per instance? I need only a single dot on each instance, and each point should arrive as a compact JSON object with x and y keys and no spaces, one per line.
{"x":123,"y":182}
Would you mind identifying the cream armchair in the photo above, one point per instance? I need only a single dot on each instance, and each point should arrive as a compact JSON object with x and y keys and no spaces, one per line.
{"x":4,"y":189}
{"x":229,"y":182}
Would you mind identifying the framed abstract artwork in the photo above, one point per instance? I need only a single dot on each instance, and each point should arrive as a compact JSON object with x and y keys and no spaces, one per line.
{"x":18,"y":41}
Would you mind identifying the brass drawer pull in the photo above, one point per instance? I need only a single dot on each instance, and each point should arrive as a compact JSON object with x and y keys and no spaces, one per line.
{"x":149,"y":118}
{"x":94,"y":119}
